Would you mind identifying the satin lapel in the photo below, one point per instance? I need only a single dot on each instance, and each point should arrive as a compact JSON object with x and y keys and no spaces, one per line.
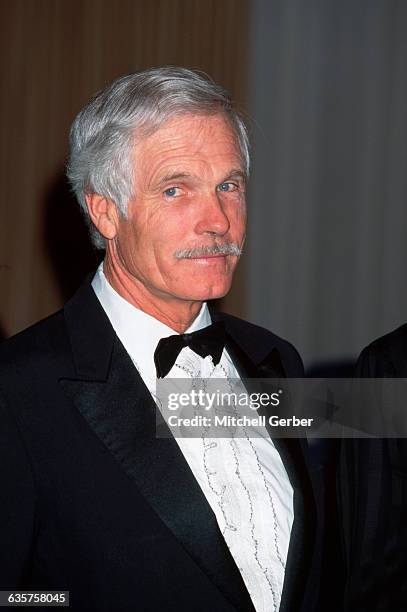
{"x":118,"y":407}
{"x":292,"y":452}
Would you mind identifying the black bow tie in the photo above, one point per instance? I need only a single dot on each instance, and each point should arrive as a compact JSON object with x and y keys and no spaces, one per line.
{"x":207,"y":341}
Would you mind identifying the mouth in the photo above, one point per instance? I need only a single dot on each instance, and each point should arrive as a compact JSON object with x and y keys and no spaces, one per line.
{"x":218,"y":256}
{"x":210,"y":261}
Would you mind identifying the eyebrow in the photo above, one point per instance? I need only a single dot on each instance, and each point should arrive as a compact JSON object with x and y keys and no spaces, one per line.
{"x":236,"y":174}
{"x":175,"y":176}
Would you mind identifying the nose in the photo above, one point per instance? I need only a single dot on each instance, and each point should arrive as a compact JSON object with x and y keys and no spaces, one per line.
{"x":212,"y":218}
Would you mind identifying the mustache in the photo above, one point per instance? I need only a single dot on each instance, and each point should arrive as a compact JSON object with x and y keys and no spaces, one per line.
{"x":229,"y":248}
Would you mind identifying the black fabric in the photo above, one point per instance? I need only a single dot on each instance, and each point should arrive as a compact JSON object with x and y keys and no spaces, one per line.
{"x":373,"y":498}
{"x":207,"y":341}
{"x":94,"y":503}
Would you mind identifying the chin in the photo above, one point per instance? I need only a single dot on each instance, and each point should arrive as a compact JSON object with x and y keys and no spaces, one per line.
{"x":211,"y":293}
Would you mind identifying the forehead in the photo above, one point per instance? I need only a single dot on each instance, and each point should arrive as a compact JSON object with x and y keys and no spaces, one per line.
{"x":206,"y":141}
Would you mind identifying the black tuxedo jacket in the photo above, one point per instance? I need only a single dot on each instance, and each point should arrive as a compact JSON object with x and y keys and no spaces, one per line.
{"x":92,"y":502}
{"x":373,"y":498}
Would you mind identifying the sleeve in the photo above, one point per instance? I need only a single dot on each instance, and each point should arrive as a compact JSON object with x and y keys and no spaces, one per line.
{"x":17,"y":503}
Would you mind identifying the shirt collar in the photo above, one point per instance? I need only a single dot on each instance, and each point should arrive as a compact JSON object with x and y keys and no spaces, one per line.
{"x":138,"y":331}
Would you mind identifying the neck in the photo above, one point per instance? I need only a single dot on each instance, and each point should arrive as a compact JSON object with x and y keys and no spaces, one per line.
{"x":176,"y":314}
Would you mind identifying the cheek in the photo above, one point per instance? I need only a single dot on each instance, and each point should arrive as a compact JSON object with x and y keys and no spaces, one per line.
{"x":173,"y":232}
{"x":237,"y":219}
{"x":131,"y":247}
{"x":128,"y":242}
{"x":158,"y":245}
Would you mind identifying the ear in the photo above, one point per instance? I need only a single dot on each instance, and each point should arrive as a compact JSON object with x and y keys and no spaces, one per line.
{"x":104,"y":214}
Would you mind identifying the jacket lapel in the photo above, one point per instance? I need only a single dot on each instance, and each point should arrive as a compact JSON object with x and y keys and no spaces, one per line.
{"x":110,"y":394}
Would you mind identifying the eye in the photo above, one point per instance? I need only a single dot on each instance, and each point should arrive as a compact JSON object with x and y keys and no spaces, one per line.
{"x":226,"y":187}
{"x":172,"y":192}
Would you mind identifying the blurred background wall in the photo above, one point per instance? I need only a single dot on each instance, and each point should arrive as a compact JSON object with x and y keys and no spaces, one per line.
{"x":325,"y":86}
{"x":328,"y":235}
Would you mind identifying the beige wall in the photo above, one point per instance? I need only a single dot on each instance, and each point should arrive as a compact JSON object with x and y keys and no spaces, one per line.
{"x":55,"y":54}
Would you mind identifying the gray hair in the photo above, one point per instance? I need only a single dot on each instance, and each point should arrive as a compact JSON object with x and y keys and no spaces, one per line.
{"x":103,"y":134}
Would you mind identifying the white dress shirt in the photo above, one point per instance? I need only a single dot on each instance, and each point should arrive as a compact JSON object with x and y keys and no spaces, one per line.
{"x":243,"y":479}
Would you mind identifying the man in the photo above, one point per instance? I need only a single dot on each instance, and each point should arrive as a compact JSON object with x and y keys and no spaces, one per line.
{"x":373,"y":497}
{"x":94,"y":502}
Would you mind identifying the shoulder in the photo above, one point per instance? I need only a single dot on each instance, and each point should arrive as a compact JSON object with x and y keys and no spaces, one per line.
{"x":258,"y":342}
{"x":41,"y":346}
{"x":385,"y":356}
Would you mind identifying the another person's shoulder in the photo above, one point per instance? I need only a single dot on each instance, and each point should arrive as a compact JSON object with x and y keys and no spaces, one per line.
{"x":385,"y":356}
{"x":259,"y":342}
